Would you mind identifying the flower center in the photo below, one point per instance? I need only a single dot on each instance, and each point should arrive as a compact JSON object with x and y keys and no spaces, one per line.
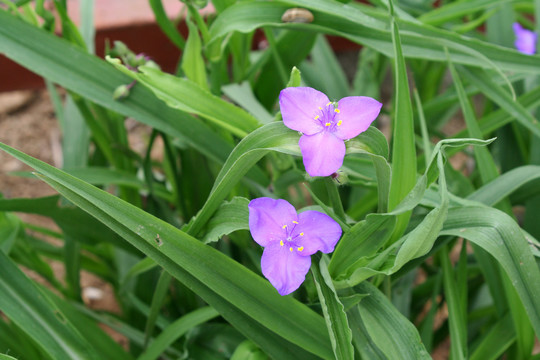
{"x":290,"y":239}
{"x":326,"y":116}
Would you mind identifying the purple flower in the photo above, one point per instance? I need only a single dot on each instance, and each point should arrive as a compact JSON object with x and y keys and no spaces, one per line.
{"x":289,"y":239}
{"x":525,"y":39}
{"x":325,"y":125}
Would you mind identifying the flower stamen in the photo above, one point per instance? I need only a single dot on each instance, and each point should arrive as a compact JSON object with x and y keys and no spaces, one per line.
{"x":327,"y":124}
{"x":281,"y":243}
{"x":300,"y":248}
{"x":317,"y":117}
{"x":290,"y":249}
{"x":295,"y":222}
{"x":339,"y":122}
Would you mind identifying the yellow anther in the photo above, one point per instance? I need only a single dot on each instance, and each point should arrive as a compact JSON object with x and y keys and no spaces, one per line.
{"x":317,"y":117}
{"x":290,"y":248}
{"x":320,"y":108}
{"x":300,"y":248}
{"x":284,"y":226}
{"x":295,"y":222}
{"x":328,"y":103}
{"x":336,"y":110}
{"x":339,"y":123}
{"x":327,"y":124}
{"x":302,"y":234}
{"x":281,"y":243}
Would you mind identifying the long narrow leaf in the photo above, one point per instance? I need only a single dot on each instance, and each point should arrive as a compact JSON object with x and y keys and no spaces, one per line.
{"x":241,"y":296}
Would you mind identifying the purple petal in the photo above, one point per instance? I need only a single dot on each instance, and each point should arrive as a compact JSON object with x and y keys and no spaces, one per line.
{"x":525,"y":39}
{"x":267,"y":217}
{"x":356,"y":113}
{"x":323,"y":153}
{"x":320,"y":232}
{"x":285,"y":269}
{"x":299,"y":106}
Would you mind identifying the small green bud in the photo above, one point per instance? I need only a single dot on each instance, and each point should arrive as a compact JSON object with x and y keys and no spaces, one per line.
{"x":121,"y":48}
{"x":121,"y":92}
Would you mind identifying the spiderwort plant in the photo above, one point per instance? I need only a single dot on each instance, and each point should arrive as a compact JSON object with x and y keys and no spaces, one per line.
{"x":525,"y":39}
{"x":325,"y":125}
{"x":289,"y":239}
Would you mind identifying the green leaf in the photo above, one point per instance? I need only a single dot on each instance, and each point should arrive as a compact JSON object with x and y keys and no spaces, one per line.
{"x":292,"y":47}
{"x":503,"y":186}
{"x":106,"y":176}
{"x":187,"y":96}
{"x":403,"y":145}
{"x":456,"y":10}
{"x":484,"y":161}
{"x":483,"y":81}
{"x":500,"y":236}
{"x":413,"y":245}
{"x":166,"y":25}
{"x":323,"y":71}
{"x":361,"y":242}
{"x":103,"y":345}
{"x":72,"y":221}
{"x":158,"y":297}
{"x":282,"y":326}
{"x":242,"y":94}
{"x":499,"y":337}
{"x":192,"y":60}
{"x":10,"y":227}
{"x":394,"y":335}
{"x":456,"y":312}
{"x":52,"y":58}
{"x":176,"y":330}
{"x":230,"y":217}
{"x":360,"y":24}
{"x":334,"y":312}
{"x":6,"y":357}
{"x":32,"y":311}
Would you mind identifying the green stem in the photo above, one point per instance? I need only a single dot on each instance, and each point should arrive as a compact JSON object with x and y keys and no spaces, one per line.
{"x":196,"y":15}
{"x":275,"y":54}
{"x":335,"y":200}
{"x":423,"y":128}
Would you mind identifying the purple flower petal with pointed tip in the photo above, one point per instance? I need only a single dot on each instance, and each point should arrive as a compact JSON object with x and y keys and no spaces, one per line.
{"x":356,"y":114}
{"x":289,"y":240}
{"x":285,"y":269}
{"x":322,"y":153}
{"x":320,"y":232}
{"x":525,"y":39}
{"x":325,"y":125}
{"x":299,"y":107}
{"x":267,"y":218}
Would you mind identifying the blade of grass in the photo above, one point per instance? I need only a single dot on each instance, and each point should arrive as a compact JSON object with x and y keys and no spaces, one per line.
{"x":38,"y":317}
{"x":175,"y":330}
{"x":403,"y":144}
{"x":334,"y":313}
{"x":166,"y":25}
{"x":482,"y":80}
